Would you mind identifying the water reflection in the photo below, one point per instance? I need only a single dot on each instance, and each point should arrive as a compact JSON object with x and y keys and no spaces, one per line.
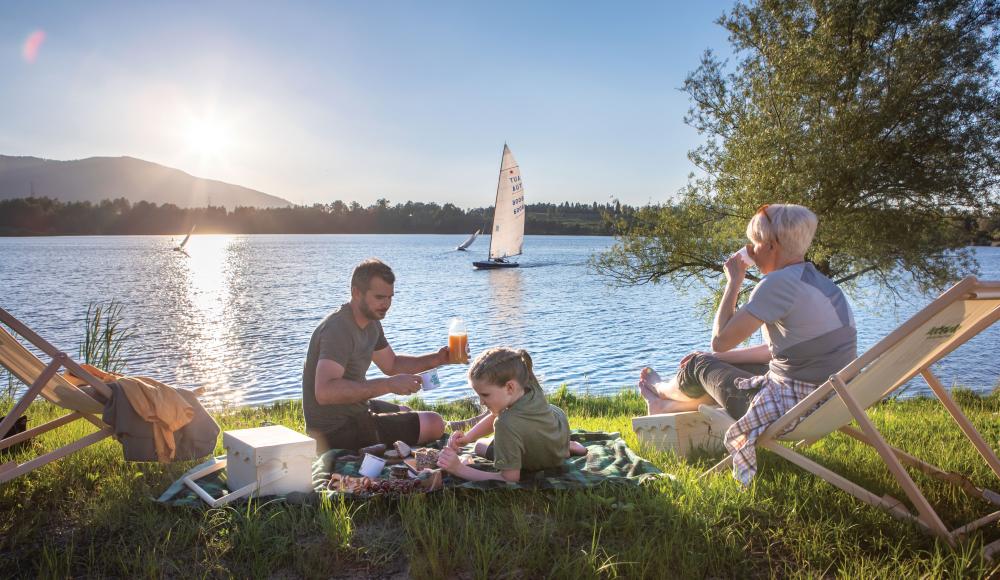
{"x":208,"y":280}
{"x":506,"y":307}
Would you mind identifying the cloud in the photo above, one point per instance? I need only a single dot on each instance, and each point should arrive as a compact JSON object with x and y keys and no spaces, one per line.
{"x":32,"y":45}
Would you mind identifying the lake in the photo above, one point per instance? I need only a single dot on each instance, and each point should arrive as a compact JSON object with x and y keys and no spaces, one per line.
{"x":236,"y":316}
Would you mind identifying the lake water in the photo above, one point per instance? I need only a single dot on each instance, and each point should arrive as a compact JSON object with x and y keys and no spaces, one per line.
{"x":236,"y":316}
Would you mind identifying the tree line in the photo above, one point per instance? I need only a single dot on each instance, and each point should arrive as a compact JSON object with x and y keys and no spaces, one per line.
{"x":47,"y":216}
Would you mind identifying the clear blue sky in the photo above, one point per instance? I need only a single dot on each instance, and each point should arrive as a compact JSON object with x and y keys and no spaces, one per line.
{"x":355,"y":101}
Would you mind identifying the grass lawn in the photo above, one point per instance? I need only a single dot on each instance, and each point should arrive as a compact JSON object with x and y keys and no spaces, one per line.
{"x":92,"y":514}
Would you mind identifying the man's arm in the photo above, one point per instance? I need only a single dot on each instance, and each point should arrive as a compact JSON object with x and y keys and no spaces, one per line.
{"x":391,"y":363}
{"x":333,"y":389}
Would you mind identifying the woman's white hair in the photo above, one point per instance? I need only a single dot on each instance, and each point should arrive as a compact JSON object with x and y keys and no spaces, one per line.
{"x":792,"y":226}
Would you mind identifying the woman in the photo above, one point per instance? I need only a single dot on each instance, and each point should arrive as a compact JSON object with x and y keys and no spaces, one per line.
{"x":809,"y":334}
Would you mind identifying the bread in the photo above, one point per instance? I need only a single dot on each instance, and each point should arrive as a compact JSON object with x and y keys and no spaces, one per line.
{"x":426,"y":458}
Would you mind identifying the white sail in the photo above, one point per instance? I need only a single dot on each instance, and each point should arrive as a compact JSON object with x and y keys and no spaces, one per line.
{"x":469,"y":241}
{"x":507,"y":235}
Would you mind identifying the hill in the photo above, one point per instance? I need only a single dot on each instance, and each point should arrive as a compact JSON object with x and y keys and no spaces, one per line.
{"x":97,"y":178}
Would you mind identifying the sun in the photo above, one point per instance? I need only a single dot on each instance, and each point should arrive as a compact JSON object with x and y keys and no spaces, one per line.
{"x":207,"y":137}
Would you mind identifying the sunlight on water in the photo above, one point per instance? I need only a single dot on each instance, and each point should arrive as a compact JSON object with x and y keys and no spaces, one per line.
{"x":207,"y":279}
{"x":236,"y":315}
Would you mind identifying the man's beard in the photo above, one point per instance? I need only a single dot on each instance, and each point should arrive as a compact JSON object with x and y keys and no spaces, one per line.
{"x":369,"y":313}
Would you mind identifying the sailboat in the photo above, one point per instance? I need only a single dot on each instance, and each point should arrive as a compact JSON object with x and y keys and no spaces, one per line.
{"x":464,"y":245}
{"x":507,"y":235}
{"x":180,"y":248}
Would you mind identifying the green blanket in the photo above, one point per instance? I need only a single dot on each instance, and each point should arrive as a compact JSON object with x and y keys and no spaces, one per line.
{"x":608,"y":460}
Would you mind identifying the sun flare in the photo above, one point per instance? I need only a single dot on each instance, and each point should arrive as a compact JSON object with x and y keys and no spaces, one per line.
{"x":207,"y":137}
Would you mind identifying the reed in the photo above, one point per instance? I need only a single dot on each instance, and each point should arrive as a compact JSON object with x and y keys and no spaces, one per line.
{"x":105,"y":334}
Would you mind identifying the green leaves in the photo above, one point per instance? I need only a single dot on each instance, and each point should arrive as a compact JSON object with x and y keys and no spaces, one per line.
{"x":880,"y":116}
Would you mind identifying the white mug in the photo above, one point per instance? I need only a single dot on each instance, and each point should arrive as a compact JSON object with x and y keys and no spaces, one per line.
{"x":371,"y":466}
{"x":745,"y":255}
{"x":429,"y":380}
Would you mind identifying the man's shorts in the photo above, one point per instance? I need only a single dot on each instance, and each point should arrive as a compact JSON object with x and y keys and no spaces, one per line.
{"x":385,"y":423}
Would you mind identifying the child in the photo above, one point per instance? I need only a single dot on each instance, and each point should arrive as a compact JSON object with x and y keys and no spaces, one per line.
{"x":530,"y":434}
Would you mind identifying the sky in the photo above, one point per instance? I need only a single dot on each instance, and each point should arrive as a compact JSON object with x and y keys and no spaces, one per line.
{"x":408,"y":101}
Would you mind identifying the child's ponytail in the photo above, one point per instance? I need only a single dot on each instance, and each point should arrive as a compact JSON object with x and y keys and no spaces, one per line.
{"x":501,"y":364}
{"x":531,"y":381}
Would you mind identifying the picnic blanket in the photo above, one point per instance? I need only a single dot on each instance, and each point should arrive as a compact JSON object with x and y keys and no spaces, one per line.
{"x":609,"y":461}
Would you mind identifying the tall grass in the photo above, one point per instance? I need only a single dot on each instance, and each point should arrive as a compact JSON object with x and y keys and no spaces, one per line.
{"x":104,"y":336}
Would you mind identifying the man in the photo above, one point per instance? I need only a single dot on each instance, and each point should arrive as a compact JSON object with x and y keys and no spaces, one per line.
{"x":336,"y":397}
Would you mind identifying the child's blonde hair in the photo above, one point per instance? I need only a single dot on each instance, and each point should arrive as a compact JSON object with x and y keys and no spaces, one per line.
{"x":498,"y":365}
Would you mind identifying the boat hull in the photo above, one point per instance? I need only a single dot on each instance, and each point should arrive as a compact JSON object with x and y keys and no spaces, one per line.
{"x":494,"y":265}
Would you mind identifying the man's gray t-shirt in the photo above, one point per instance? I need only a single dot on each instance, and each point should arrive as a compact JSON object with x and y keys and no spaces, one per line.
{"x":808,"y":324}
{"x":340,"y":339}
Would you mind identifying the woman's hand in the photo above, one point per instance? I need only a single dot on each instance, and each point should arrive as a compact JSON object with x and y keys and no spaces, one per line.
{"x":448,"y":460}
{"x":735,"y":269}
{"x":687,"y":358}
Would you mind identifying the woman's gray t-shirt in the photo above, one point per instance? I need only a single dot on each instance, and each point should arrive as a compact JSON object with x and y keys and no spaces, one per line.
{"x":808,"y":324}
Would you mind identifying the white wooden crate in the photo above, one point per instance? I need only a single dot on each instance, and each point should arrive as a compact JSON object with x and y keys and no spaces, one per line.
{"x":681,"y":433}
{"x":253,"y":455}
{"x":273,"y":460}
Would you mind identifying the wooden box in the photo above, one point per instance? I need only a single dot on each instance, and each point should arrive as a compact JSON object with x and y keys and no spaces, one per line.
{"x":277,"y":458}
{"x":681,"y":433}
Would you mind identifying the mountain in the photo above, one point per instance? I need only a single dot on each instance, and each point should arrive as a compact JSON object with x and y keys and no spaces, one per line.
{"x":97,"y":178}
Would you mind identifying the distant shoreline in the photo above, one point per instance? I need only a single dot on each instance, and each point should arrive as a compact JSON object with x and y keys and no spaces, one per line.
{"x":41,"y":216}
{"x":458,"y":234}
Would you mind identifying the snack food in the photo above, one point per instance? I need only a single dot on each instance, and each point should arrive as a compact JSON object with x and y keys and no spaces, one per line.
{"x":378,"y":449}
{"x":402,"y":448}
{"x":426,"y":458}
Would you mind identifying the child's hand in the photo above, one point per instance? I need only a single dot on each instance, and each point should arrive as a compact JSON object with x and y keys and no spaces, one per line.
{"x":457,"y":440}
{"x":448,"y":459}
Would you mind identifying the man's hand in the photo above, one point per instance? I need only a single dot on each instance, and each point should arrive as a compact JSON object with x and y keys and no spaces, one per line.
{"x":443,"y":357}
{"x":404,"y":384}
{"x":449,"y":460}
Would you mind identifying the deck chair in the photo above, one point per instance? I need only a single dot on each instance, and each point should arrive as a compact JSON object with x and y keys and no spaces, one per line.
{"x":959,"y":314}
{"x":83,"y":403}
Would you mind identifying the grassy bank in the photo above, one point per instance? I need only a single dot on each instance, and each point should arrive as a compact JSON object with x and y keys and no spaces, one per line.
{"x":92,"y":515}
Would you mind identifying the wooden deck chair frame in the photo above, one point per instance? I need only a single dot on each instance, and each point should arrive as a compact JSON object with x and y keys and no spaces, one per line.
{"x":960,"y":313}
{"x":44,"y":380}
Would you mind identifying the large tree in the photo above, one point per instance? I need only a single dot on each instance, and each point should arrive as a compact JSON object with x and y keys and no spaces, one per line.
{"x":882,"y":116}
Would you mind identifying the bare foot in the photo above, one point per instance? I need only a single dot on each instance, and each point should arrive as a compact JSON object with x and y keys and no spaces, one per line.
{"x":576,"y":448}
{"x":647,"y":379}
{"x":655,"y":403}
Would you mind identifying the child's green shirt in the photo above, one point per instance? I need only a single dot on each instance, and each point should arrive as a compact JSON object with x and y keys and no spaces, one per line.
{"x":531,"y":434}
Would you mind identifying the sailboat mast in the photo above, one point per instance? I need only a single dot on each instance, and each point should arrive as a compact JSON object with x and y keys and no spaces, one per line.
{"x":496,"y":202}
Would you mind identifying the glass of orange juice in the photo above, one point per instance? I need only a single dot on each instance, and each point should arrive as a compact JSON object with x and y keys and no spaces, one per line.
{"x":458,"y":341}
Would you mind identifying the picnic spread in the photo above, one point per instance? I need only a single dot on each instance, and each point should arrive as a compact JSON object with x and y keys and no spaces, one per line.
{"x":337,"y":472}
